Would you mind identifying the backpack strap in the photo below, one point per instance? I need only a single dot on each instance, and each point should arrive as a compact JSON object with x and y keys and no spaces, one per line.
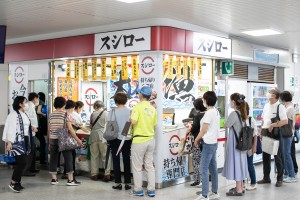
{"x":277,"y":114}
{"x":250,"y":119}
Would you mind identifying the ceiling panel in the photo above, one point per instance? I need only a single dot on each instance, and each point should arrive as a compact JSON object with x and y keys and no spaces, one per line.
{"x":33,"y":17}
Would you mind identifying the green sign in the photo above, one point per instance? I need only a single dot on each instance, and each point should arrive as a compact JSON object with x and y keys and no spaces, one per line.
{"x":227,"y":68}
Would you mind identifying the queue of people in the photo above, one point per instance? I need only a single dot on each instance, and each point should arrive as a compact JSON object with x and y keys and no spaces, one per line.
{"x":24,"y":123}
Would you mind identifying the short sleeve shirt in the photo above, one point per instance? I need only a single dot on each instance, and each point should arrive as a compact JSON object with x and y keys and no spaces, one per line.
{"x":270,"y":112}
{"x":211,"y":117}
{"x":56,"y":121}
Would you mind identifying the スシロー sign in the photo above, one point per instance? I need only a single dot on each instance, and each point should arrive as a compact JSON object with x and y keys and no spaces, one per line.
{"x":174,"y":145}
{"x":90,"y":96}
{"x":123,"y":41}
{"x":211,"y":45}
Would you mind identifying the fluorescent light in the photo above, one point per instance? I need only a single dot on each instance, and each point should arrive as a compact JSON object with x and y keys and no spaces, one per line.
{"x":131,"y":1}
{"x":262,"y":32}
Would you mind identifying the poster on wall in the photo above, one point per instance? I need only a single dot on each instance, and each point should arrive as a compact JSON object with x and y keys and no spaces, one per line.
{"x":67,"y":88}
{"x":179,"y":92}
{"x":18,"y":81}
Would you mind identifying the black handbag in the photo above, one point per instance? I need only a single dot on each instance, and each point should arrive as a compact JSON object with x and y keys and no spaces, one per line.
{"x":285,"y":130}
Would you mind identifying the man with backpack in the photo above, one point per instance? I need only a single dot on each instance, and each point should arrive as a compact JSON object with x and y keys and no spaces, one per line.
{"x":271,"y":128}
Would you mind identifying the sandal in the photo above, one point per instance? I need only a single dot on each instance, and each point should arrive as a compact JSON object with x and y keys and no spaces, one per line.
{"x":233,"y":192}
{"x":235,"y":189}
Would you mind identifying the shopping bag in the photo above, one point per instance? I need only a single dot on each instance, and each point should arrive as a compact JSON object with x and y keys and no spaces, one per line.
{"x":10,"y":160}
{"x":186,"y":144}
{"x":270,"y":145}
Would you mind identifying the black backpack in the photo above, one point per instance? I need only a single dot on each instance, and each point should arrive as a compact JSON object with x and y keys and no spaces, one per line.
{"x":244,"y":141}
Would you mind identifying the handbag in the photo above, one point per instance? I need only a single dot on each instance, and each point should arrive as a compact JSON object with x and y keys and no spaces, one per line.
{"x":270,"y":145}
{"x":7,"y":158}
{"x":111,"y":128}
{"x":285,"y":130}
{"x":186,"y":144}
{"x":65,"y":139}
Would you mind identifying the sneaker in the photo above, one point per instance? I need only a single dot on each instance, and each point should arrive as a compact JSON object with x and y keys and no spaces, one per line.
{"x":54,"y":182}
{"x":20,"y":186}
{"x":199,"y":185}
{"x":151,"y":193}
{"x":195,"y":183}
{"x":214,"y":196}
{"x":290,"y":180}
{"x":201,"y":198}
{"x":72,"y":183}
{"x":251,"y":187}
{"x":14,"y":187}
{"x":77,"y":182}
{"x":137,"y":193}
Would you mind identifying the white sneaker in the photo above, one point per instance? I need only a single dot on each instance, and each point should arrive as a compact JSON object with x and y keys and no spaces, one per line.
{"x":202,"y":198}
{"x":199,"y":185}
{"x":214,"y":196}
{"x":290,"y":180}
{"x":251,"y":187}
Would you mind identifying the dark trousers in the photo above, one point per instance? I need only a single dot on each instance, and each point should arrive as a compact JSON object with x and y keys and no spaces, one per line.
{"x":126,"y":160}
{"x":267,"y":161}
{"x":251,"y":170}
{"x":42,"y":140}
{"x":30,"y":159}
{"x":73,"y":159}
{"x":19,"y":168}
{"x":293,"y":153}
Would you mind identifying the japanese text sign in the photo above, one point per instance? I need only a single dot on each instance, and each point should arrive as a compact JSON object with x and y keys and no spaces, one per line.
{"x":123,"y":41}
{"x":103,"y":69}
{"x":211,"y":45}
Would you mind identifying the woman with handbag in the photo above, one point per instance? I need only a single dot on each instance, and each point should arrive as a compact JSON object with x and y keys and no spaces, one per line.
{"x":18,"y":137}
{"x":98,"y":145}
{"x":289,"y":171}
{"x":60,"y":120}
{"x":235,"y":166}
{"x":194,"y":129}
{"x":121,"y":115}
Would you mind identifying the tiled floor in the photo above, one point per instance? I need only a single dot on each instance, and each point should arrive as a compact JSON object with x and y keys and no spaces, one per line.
{"x":39,"y":188}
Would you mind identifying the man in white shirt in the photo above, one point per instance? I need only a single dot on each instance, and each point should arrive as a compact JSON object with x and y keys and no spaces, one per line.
{"x":33,"y":101}
{"x":271,"y":129}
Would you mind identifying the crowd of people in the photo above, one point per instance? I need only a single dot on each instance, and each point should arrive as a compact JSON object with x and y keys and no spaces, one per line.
{"x":29,"y":119}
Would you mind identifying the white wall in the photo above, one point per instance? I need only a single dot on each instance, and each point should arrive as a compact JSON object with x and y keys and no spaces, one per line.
{"x":4,"y":93}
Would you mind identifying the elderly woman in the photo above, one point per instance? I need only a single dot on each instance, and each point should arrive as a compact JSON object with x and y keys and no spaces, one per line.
{"x":122,"y":115}
{"x":18,"y":137}
{"x":57,"y":119}
{"x":98,"y":145}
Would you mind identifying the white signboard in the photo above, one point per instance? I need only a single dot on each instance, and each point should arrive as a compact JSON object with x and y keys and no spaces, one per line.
{"x":123,"y":41}
{"x":18,"y":81}
{"x":211,"y":45}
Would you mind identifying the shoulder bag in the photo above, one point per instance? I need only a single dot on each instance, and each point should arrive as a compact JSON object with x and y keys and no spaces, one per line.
{"x":285,"y":130}
{"x":65,"y":139}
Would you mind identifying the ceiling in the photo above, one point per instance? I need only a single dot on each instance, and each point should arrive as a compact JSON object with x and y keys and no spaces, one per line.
{"x":35,"y":17}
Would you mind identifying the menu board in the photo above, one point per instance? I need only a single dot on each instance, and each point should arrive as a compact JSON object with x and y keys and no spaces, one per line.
{"x":67,"y":88}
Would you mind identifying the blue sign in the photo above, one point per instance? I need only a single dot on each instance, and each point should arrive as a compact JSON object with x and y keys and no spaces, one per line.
{"x":265,"y":57}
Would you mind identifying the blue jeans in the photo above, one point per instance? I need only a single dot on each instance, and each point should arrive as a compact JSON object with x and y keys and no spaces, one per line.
{"x":251,"y":170}
{"x":209,"y":162}
{"x":287,"y":157}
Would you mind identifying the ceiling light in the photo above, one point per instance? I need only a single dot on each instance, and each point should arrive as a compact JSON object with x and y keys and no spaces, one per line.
{"x":262,"y":32}
{"x":131,"y":1}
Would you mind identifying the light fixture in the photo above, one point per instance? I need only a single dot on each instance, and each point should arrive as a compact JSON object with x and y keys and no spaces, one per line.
{"x":131,"y":1}
{"x":262,"y":32}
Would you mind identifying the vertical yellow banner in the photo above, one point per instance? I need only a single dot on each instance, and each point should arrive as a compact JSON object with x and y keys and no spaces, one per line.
{"x":135,"y":68}
{"x":103,"y":69}
{"x":192,"y":68}
{"x":94,"y":69}
{"x":185,"y":68}
{"x":178,"y":67}
{"x":170,"y":68}
{"x":85,"y":72}
{"x":113,"y":67}
{"x":76,"y":70}
{"x":124,"y":73}
{"x":199,"y":64}
{"x":68,"y":70}
{"x":167,"y":68}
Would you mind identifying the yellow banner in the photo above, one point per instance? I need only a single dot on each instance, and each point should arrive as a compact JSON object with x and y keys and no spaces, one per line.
{"x":135,"y":68}
{"x":68,"y":70}
{"x":192,"y":68}
{"x":199,"y":64}
{"x":170,"y":68}
{"x":124,"y":73}
{"x":94,"y":69}
{"x":76,"y":69}
{"x":178,"y":67}
{"x":103,"y":69}
{"x":85,"y":72}
{"x":113,"y":66}
{"x":185,"y":68}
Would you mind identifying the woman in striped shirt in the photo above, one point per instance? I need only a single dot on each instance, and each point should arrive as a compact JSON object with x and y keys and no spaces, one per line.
{"x":56,"y":121}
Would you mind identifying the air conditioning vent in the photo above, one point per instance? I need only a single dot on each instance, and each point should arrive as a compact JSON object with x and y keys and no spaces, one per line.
{"x":240,"y":71}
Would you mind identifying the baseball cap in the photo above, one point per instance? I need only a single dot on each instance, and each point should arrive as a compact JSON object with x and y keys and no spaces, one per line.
{"x":145,"y":90}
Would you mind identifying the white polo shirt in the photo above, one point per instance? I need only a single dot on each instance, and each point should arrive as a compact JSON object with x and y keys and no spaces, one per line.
{"x":270,"y":112}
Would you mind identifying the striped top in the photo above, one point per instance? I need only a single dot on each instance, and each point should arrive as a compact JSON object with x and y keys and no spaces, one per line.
{"x":56,"y":121}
